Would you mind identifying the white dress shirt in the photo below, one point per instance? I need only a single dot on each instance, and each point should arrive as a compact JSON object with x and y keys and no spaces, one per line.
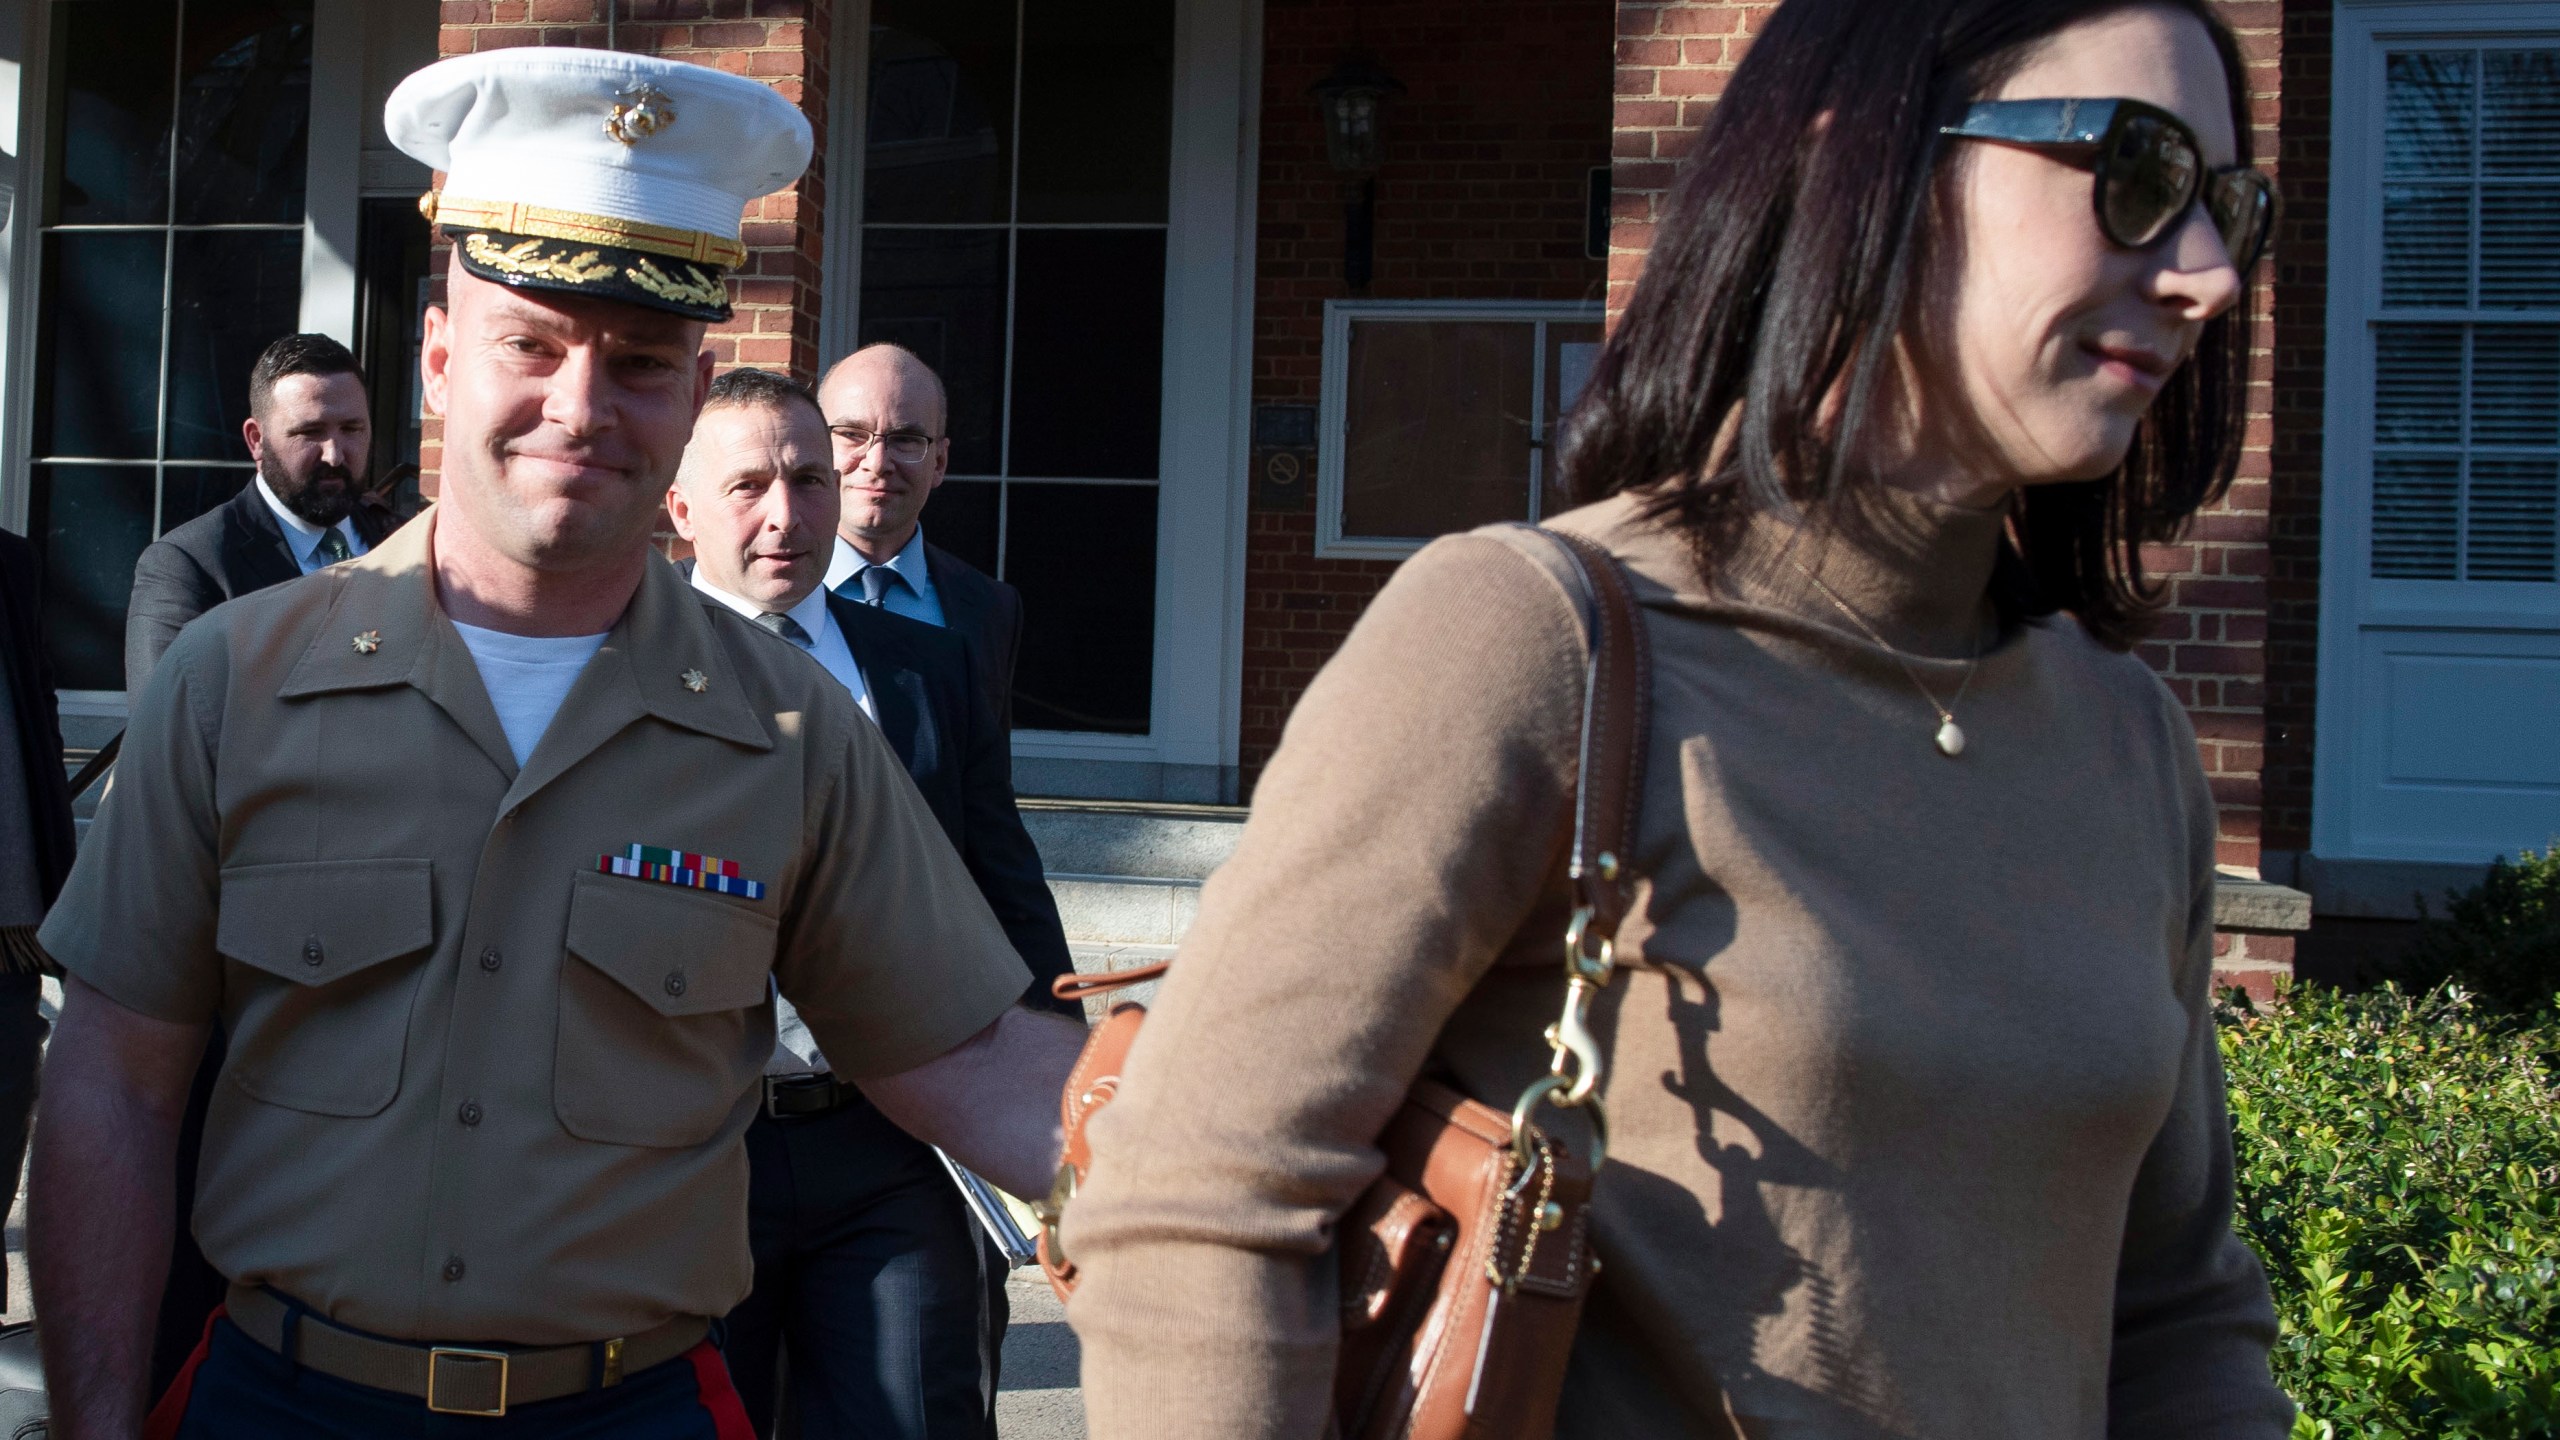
{"x":826,"y":643}
{"x":916,"y":599}
{"x":303,"y":538}
{"x":795,"y":1050}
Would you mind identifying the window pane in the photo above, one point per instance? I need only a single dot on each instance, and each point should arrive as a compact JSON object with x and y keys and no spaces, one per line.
{"x":2520,"y":113}
{"x":2515,"y":507}
{"x":1436,"y":426}
{"x":963,"y":517}
{"x":98,"y":358}
{"x":2417,"y":385}
{"x":236,"y":292}
{"x":1097,"y":109}
{"x":1088,"y":353}
{"x":244,"y":112}
{"x":117,"y":56}
{"x":1572,"y":349}
{"x":92,"y":522}
{"x":2417,"y":503}
{"x":2519,"y":246}
{"x":1084,"y":557}
{"x":187,"y":491}
{"x":939,"y":133}
{"x":940,"y":293}
{"x":2426,"y":245}
{"x":2426,"y":126}
{"x":2515,"y":385}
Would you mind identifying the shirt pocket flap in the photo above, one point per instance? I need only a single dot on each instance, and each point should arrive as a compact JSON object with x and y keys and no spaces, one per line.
{"x":682,"y":952}
{"x":317,"y":922}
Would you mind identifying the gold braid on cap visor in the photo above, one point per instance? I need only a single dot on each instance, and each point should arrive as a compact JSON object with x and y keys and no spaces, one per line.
{"x":526,"y":259}
{"x":581,"y":228}
{"x":700,"y":290}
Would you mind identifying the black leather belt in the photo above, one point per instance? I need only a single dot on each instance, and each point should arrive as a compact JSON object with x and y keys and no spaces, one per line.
{"x":797,"y":1097}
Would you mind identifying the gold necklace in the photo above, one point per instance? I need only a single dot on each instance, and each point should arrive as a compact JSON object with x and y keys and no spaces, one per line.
{"x":1950,"y":734}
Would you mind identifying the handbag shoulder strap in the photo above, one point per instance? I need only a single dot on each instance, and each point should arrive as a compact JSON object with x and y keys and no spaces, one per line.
{"x":1617,"y":695}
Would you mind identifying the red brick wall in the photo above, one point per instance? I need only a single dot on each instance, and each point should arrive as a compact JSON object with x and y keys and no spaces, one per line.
{"x":781,"y":42}
{"x":1674,"y":57}
{"x":1480,"y":195}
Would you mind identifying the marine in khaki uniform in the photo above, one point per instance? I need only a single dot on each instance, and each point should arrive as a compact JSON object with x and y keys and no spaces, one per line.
{"x":497,"y":1025}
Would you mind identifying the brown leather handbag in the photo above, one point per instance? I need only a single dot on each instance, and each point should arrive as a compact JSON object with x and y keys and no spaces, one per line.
{"x":1464,"y":1265}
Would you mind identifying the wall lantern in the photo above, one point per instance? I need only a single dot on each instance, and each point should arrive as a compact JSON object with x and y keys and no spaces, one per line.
{"x":1350,"y":99}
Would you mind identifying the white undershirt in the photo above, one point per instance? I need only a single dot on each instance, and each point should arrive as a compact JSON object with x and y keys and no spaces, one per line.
{"x":527,"y":676}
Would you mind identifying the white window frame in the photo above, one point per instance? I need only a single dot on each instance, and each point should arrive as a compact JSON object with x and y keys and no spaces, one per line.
{"x":1333,"y":407}
{"x":1191,"y":750}
{"x":2352,"y":602}
{"x":331,"y":207}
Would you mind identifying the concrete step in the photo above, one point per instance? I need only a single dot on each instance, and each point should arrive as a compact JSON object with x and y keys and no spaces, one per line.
{"x":1129,"y":873}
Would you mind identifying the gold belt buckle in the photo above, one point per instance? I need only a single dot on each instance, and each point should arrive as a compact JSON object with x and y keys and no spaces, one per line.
{"x":436,"y":1359}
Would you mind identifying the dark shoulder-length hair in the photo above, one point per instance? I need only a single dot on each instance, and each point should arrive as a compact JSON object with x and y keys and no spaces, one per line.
{"x":1793,"y":252}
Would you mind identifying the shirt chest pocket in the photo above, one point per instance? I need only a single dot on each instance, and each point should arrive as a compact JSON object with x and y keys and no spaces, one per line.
{"x":664,"y":1029}
{"x":322,"y":1024}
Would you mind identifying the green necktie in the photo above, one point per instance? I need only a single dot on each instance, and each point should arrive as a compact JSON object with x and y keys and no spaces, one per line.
{"x":333,"y":546}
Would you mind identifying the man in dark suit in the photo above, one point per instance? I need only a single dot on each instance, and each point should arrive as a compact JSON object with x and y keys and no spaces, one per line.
{"x":309,"y":433}
{"x":868,"y":1268}
{"x":888,"y":415}
{"x":311,"y":437}
{"x":35,"y":839}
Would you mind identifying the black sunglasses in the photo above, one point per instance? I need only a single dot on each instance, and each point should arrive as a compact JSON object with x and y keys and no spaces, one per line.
{"x":2147,"y":165}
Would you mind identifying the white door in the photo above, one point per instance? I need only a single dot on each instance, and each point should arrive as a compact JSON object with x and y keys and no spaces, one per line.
{"x":1048,"y":200}
{"x":2439,"y":730}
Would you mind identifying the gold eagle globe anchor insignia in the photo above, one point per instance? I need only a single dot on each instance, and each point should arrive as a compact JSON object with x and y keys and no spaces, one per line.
{"x":645,"y":110}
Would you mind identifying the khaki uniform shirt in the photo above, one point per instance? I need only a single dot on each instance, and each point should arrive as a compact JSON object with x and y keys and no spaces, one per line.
{"x":479,"y":1088}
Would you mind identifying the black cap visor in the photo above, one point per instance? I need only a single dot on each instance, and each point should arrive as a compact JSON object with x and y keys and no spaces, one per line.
{"x":600,"y":272}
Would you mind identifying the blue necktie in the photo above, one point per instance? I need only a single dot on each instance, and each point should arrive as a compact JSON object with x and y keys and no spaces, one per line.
{"x":876,"y":580}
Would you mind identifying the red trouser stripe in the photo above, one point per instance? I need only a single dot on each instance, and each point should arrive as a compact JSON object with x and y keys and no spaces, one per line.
{"x":711,"y":1377}
{"x":172,"y":1409}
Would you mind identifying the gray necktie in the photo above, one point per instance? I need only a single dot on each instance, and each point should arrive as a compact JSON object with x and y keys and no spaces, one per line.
{"x":786,"y":627}
{"x":333,"y":546}
{"x":876,"y":580}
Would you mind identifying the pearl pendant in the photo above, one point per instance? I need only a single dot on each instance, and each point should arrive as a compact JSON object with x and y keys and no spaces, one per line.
{"x":1951,"y":738}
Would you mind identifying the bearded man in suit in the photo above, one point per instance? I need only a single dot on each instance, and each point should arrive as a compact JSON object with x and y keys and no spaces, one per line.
{"x":311,"y":436}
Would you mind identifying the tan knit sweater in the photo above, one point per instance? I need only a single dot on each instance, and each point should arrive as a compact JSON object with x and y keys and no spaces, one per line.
{"x":1918,"y":1126}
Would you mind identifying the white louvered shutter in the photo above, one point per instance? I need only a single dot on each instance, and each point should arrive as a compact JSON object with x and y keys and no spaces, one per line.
{"x":2466,"y":403}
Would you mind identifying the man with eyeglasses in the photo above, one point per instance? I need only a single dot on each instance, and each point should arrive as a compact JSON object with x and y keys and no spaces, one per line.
{"x":889,"y":416}
{"x":870,"y":1273}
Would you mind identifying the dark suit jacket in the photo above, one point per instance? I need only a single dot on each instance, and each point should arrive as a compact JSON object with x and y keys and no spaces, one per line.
{"x":34,"y":712}
{"x":229,"y":551}
{"x":936,"y":716}
{"x":988,"y":614}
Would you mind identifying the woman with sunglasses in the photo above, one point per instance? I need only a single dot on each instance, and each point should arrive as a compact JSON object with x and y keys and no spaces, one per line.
{"x":1916,"y":1124}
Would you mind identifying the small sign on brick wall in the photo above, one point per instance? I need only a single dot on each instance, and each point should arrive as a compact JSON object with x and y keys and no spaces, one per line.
{"x":1284,"y":457}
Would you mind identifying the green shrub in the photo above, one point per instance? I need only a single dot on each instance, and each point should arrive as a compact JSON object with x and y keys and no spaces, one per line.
{"x":2500,"y":940}
{"x":2399,"y":1171}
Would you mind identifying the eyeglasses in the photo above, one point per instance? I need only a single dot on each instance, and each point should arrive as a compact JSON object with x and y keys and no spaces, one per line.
{"x":2147,"y":166}
{"x":904,"y":446}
